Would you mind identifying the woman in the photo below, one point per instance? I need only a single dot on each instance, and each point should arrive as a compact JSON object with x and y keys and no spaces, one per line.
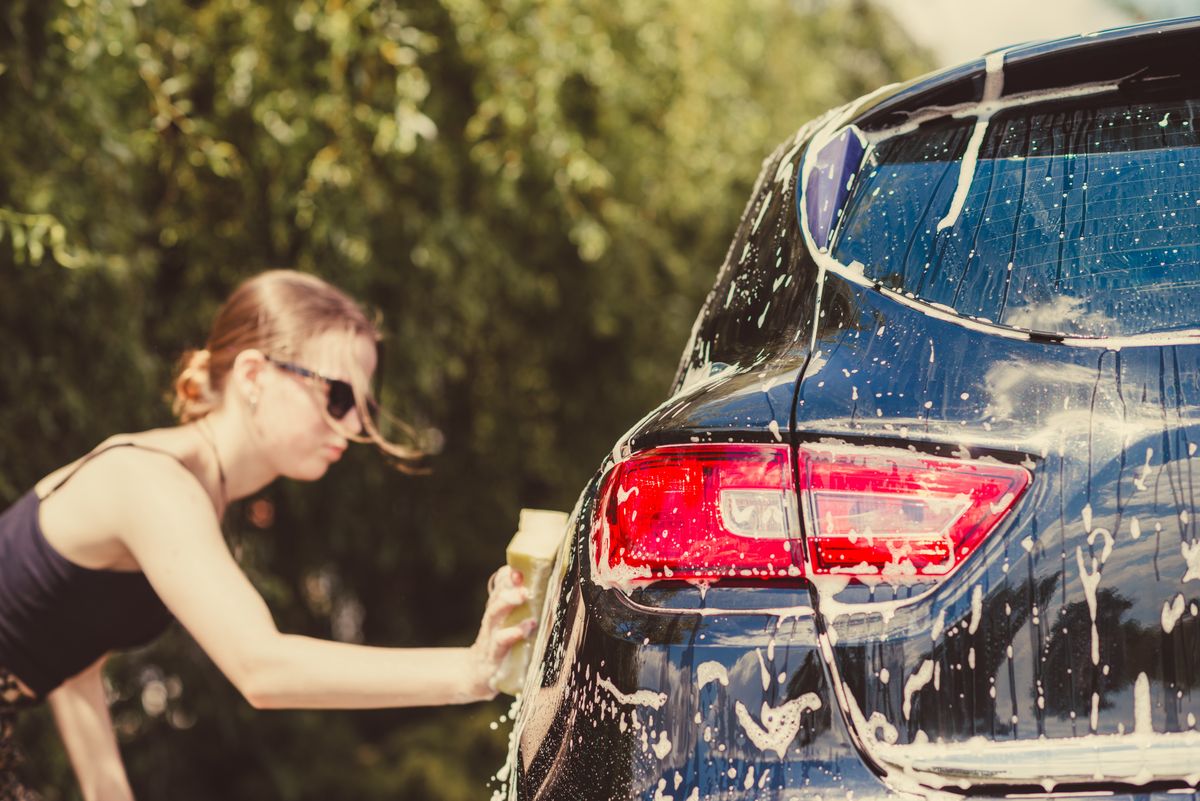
{"x":104,"y":552}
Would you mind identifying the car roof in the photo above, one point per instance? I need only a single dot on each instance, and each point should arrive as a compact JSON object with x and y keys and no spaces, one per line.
{"x":1145,"y":52}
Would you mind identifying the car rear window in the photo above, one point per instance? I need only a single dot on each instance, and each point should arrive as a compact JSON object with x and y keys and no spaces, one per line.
{"x":1081,"y":219}
{"x":762,"y":300}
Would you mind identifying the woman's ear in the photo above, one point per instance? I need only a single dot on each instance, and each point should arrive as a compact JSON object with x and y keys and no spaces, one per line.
{"x":245,"y":378}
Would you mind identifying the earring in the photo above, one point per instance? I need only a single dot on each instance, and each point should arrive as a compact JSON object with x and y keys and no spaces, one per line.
{"x":254,"y":403}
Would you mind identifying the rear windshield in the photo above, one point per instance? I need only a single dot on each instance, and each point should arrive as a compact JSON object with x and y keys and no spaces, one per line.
{"x":1080,"y":220}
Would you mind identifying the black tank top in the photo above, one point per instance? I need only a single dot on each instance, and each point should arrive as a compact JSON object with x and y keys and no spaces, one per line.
{"x":57,"y":617}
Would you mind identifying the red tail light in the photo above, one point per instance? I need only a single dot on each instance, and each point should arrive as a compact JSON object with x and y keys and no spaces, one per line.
{"x":701,"y":512}
{"x":711,"y":511}
{"x":875,"y":511}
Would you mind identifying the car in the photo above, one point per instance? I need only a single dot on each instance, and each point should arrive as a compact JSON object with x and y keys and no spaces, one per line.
{"x":919,"y":516}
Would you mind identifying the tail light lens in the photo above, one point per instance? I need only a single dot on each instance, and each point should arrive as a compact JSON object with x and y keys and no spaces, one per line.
{"x":700,"y":512}
{"x":887,"y":512}
{"x":710,"y":512}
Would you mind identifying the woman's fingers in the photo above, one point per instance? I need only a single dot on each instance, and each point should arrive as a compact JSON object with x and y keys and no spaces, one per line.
{"x":506,"y":638}
{"x":503,"y":578}
{"x":501,"y":604}
{"x":501,"y":574}
{"x":506,"y":592}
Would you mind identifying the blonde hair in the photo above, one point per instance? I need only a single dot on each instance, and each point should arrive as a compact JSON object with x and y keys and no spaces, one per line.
{"x":277,"y":312}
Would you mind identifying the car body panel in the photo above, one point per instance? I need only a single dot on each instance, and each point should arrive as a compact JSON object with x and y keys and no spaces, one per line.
{"x":1105,"y":533}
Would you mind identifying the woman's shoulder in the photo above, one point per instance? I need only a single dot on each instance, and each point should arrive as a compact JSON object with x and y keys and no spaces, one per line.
{"x":92,"y":505}
{"x":165,"y":457}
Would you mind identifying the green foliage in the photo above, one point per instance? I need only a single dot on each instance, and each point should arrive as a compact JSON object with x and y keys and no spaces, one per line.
{"x":534,"y":195}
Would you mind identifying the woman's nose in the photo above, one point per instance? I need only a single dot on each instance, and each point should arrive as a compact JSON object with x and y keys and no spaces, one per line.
{"x":353,"y":421}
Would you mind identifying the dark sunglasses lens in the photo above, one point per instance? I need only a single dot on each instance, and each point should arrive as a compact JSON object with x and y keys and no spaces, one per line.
{"x":341,"y":399}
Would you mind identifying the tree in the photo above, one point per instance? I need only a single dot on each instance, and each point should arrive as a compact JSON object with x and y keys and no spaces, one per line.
{"x":535,"y":196}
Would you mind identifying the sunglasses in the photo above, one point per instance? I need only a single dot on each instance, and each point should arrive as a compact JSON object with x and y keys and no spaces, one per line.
{"x":341,"y":395}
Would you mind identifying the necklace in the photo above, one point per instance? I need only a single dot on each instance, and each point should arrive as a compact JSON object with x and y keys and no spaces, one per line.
{"x":204,"y":429}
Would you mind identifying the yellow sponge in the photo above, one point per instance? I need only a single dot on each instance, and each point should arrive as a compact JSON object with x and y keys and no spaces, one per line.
{"x":532,"y":552}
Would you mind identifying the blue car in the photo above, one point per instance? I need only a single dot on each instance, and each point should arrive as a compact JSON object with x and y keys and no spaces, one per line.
{"x":920,"y":514}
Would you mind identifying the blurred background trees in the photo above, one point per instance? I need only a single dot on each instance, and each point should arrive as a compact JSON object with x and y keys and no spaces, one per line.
{"x":534,"y":196}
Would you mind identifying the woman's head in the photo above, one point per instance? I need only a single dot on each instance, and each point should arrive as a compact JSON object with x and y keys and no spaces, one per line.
{"x":283,"y":328}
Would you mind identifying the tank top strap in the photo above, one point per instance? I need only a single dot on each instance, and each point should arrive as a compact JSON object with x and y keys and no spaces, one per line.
{"x":87,"y":458}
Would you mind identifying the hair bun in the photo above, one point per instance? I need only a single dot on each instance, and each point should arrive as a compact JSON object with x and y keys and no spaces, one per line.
{"x":193,"y":386}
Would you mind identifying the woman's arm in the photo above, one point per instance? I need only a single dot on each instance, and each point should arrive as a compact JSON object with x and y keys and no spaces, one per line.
{"x":81,"y":712}
{"x":172,"y":531}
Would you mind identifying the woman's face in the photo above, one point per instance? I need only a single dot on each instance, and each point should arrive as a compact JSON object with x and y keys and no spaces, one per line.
{"x":291,"y":416}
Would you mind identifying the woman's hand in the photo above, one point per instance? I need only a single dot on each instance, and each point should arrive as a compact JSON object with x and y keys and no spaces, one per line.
{"x":505,"y":593}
